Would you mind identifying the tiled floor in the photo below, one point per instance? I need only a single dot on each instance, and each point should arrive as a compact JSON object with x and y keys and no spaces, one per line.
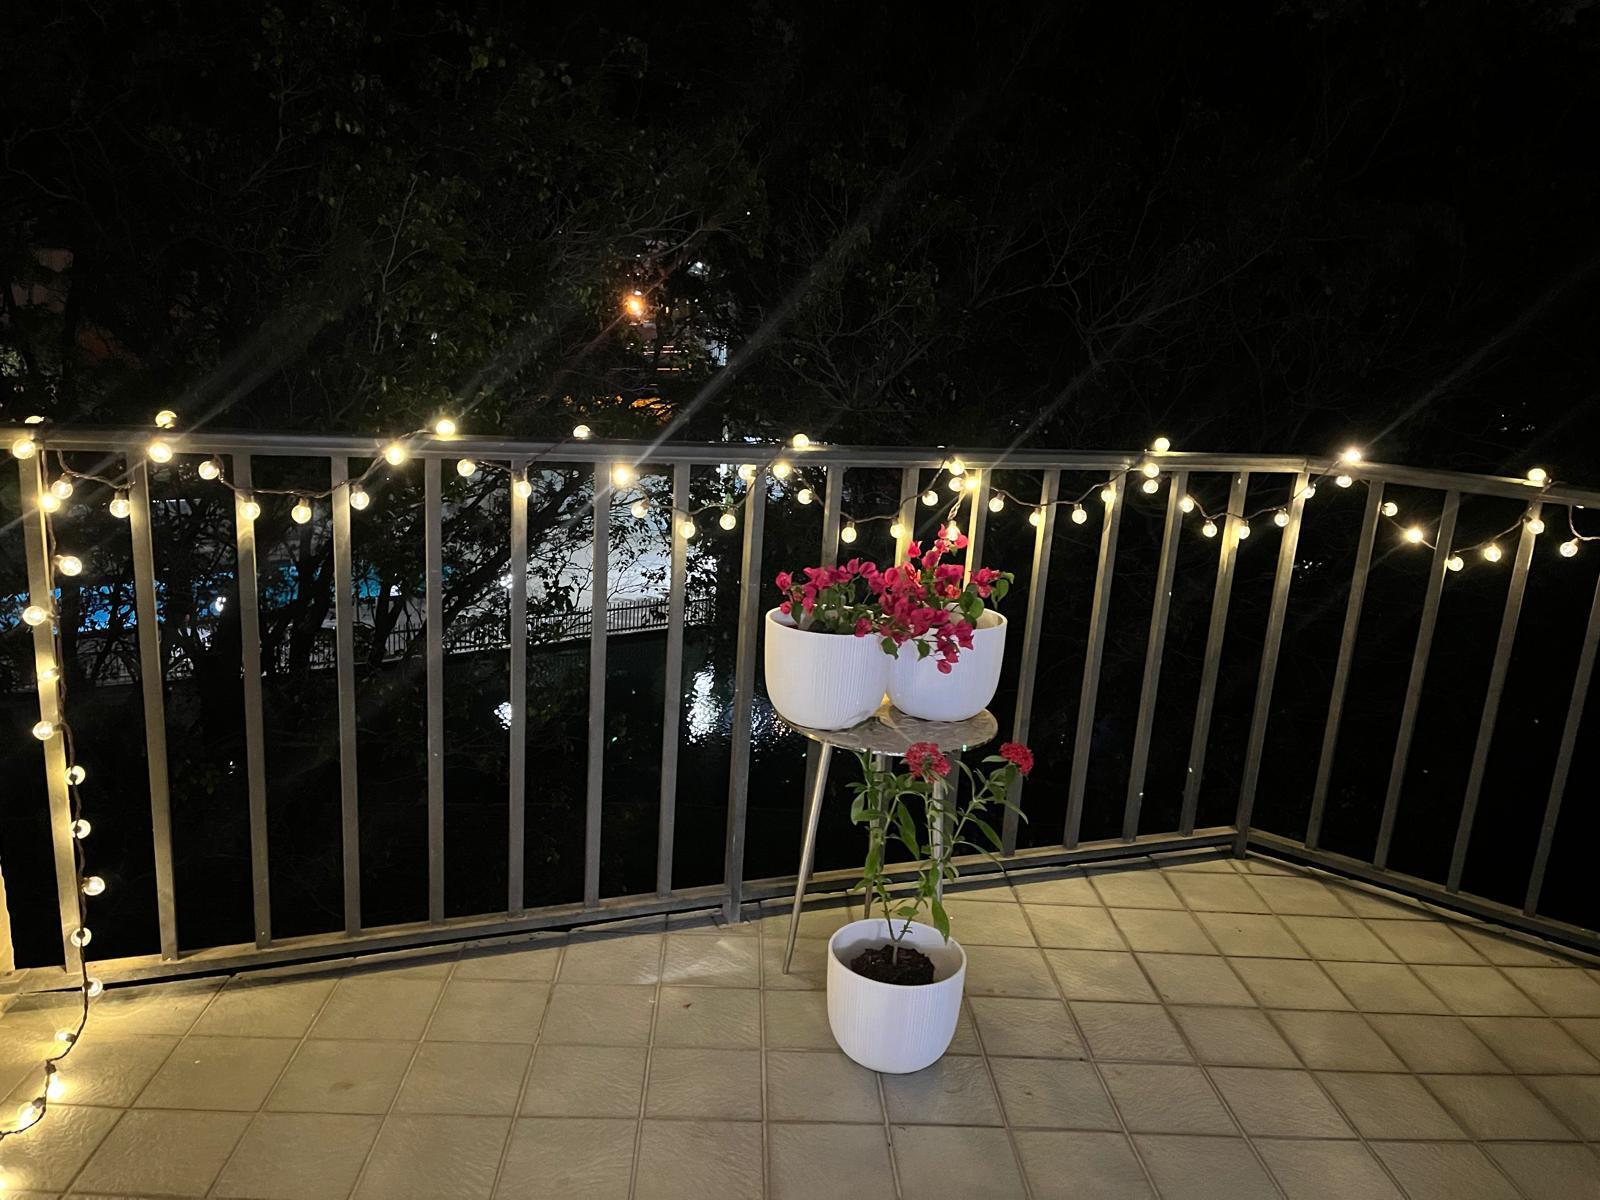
{"x":1187,"y":1029}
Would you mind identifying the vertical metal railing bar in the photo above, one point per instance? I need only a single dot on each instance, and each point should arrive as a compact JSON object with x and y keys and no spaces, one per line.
{"x":345,"y":660}
{"x":155,"y":716}
{"x":1205,"y":701}
{"x":1094,"y":650}
{"x":1171,"y":537}
{"x":832,"y":510}
{"x":672,"y":704}
{"x":255,"y":737}
{"x":1419,"y":670}
{"x":433,"y":554}
{"x":36,"y":549}
{"x":1491,"y":701}
{"x":907,"y":512}
{"x":1569,"y":742}
{"x":744,"y":682}
{"x":1032,"y":630}
{"x":1341,"y":670}
{"x":600,"y":582}
{"x":517,"y":746}
{"x":977,"y":520}
{"x":1277,"y":613}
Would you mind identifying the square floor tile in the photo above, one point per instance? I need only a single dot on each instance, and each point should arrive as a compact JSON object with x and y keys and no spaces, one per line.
{"x":809,"y":1161}
{"x":797,"y":1020}
{"x":1074,"y":927}
{"x":953,"y":1091}
{"x":1162,"y":930}
{"x":530,"y":961}
{"x":1327,"y":1170}
{"x":1384,"y":987}
{"x":1505,"y":950}
{"x":422,"y":1158}
{"x":585,"y":1081}
{"x":1007,"y":971}
{"x":1497,"y":1107}
{"x":727,"y":1018}
{"x":489,"y":1010}
{"x":706,"y":1160}
{"x":218,"y":1073}
{"x":1020,"y":1026}
{"x":612,"y":958}
{"x":1217,"y":893}
{"x":1251,"y":935}
{"x":1424,"y":942}
{"x":1070,"y":888}
{"x":988,"y":923}
{"x":1306,"y":897}
{"x":1441,"y":1171}
{"x":166,"y":1153}
{"x":549,"y":1159}
{"x":710,"y":1084}
{"x":1071,"y":1165}
{"x":1559,"y":991}
{"x":1289,"y":983}
{"x":1195,"y":979}
{"x":1435,"y":1044}
{"x":1336,"y":1041}
{"x":1534,"y":1045}
{"x":719,"y":960}
{"x":1551,"y":1172}
{"x":1278,"y":1103}
{"x":265,"y":1007}
{"x":378,"y":1006}
{"x":1338,"y":938}
{"x":342,"y":1077}
{"x":956,"y":1163}
{"x":169,"y":1008}
{"x":105,"y":1068}
{"x":49,"y":1154}
{"x":1139,"y":887}
{"x":816,"y":1085}
{"x":480,"y":1078}
{"x":599,"y":1015}
{"x":1585,"y":1030}
{"x":1574,"y":1097}
{"x":1052,"y":1093}
{"x":298,"y":1156}
{"x":816,"y":920}
{"x":1205,"y":1168}
{"x":1162,"y":1099}
{"x":809,"y":967}
{"x":1099,"y":975}
{"x":1140,"y":1032}
{"x":1390,"y":1106}
{"x":1235,"y":1037}
{"x":1476,"y":991}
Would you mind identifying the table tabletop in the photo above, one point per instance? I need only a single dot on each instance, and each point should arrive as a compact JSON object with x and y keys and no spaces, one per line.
{"x":890,"y":731}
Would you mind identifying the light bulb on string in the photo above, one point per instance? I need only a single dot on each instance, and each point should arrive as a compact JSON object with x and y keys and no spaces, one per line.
{"x":1108,"y":494}
{"x":1535,"y":526}
{"x":1569,"y":549}
{"x":1414,"y":535}
{"x":1151,"y":486}
{"x":1308,"y":491}
{"x":1344,"y":481}
{"x":727,"y":520}
{"x":805,"y":495}
{"x":81,"y":936}
{"x":952,"y":530}
{"x":1186,"y":504}
{"x":49,"y":674}
{"x":45,"y":730}
{"x":622,"y":475}
{"x":1492,"y":553}
{"x":1391,"y":509}
{"x":1454,"y":563}
{"x":159,"y":451}
{"x":120,"y":506}
{"x":209,"y":469}
{"x":640,"y":509}
{"x":1243,"y":530}
{"x":799,"y":441}
{"x":1209,"y":529}
{"x":76,"y":775}
{"x":359,"y":499}
{"x":686,"y":528}
{"x":94,"y":987}
{"x":848,"y":533}
{"x":930,"y":497}
{"x":956,"y":467}
{"x":582,"y":433}
{"x":35,"y":614}
{"x":81,"y":829}
{"x":55,"y":1087}
{"x":69,"y":564}
{"x":1079,"y":514}
{"x":1280,"y":518}
{"x":33,"y":419}
{"x":49,"y":502}
{"x":61,"y":488}
{"x":394,"y":454}
{"x":970,"y":482}
{"x":29,"y":1114}
{"x":444,"y":427}
{"x":1150,"y":470}
{"x":24,"y":447}
{"x":1351,"y":454}
{"x":1036,"y":517}
{"x":1538,"y":476}
{"x":66,"y":1036}
{"x":997,"y":503}
{"x":956,"y":483}
{"x":897,"y":530}
{"x":93,"y":885}
{"x":1161,"y":445}
{"x":466,"y":468}
{"x":522,"y":486}
{"x":301,"y":512}
{"x":781,"y":469}
{"x":747,"y":472}
{"x":249,"y":509}
{"x":166,"y":419}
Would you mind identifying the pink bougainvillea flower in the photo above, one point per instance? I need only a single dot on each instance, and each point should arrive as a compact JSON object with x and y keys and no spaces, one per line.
{"x":925,"y":762}
{"x":1016,"y":752}
{"x":785,"y":581}
{"x":863,"y":626}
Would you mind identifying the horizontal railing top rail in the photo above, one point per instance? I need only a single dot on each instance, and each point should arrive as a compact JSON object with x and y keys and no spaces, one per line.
{"x":600,"y":450}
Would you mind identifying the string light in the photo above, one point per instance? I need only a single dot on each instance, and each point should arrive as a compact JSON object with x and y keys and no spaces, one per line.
{"x":209,"y":469}
{"x":1569,"y":549}
{"x":35,"y":614}
{"x":1455,"y":562}
{"x":1307,"y":492}
{"x":686,"y":528}
{"x":522,"y":486}
{"x":93,"y":885}
{"x":1351,"y":455}
{"x":622,"y":475}
{"x":81,"y":829}
{"x":444,"y":427}
{"x":1108,"y":494}
{"x":747,"y":472}
{"x":1535,"y":526}
{"x":1280,"y":518}
{"x":249,"y":509}
{"x":1390,"y":508}
{"x":1414,"y":535}
{"x":1243,"y":530}
{"x":159,"y":451}
{"x":24,"y":447}
{"x":49,"y":674}
{"x":81,"y":936}
{"x":301,"y":512}
{"x":956,"y":467}
{"x":727,"y":520}
{"x":930,"y":497}
{"x":76,"y":775}
{"x":640,"y":509}
{"x":956,"y":483}
{"x":394,"y":454}
{"x":1151,"y":486}
{"x":897,"y":530}
{"x":781,"y":469}
{"x":49,"y":502}
{"x":848,"y":533}
{"x":1209,"y":529}
{"x":120,"y":506}
{"x":1538,"y":476}
{"x":1161,"y":445}
{"x":359,"y":498}
{"x":970,"y":482}
{"x":69,"y":564}
{"x":1187,"y":504}
{"x":1079,"y":514}
{"x":1036,"y":517}
{"x":582,"y":432}
{"x":45,"y":730}
{"x":61,"y":488}
{"x":1150,"y":470}
{"x":1344,"y":481}
{"x":166,"y":419}
{"x":997,"y":503}
{"x":1492,"y":553}
{"x":805,"y":496}
{"x":466,"y":468}
{"x":800,"y":441}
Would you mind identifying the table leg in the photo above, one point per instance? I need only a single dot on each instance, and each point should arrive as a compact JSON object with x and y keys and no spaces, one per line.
{"x":808,"y":848}
{"x":880,"y":762}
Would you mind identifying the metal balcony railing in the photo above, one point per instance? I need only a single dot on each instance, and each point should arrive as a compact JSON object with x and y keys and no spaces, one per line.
{"x":1291,"y":475}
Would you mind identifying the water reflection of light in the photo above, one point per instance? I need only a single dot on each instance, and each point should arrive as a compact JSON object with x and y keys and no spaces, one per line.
{"x":503,"y":712}
{"x":705,"y":714}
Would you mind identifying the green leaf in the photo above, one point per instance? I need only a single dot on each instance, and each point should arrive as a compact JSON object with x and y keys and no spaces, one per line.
{"x":941,"y":919}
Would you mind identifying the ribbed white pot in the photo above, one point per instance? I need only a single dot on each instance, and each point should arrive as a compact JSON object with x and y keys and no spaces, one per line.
{"x":892,"y":1027}
{"x":823,"y":680}
{"x":918,"y":689}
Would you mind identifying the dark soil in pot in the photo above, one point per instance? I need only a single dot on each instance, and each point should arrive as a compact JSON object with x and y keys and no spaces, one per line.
{"x":909,"y":968}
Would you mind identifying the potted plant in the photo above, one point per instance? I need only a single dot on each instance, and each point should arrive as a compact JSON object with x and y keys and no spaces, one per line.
{"x":958,"y":637}
{"x":823,"y":669}
{"x":895,"y":983}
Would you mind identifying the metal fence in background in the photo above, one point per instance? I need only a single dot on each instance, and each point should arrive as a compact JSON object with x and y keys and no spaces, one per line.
{"x":1290,"y":473}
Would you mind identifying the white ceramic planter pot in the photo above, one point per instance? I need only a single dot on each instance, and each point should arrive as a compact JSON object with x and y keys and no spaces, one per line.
{"x":823,"y":680}
{"x":918,"y":689}
{"x":888,"y":1026}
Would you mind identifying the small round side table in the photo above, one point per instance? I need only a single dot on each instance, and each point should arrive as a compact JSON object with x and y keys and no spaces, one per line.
{"x":888,"y":733}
